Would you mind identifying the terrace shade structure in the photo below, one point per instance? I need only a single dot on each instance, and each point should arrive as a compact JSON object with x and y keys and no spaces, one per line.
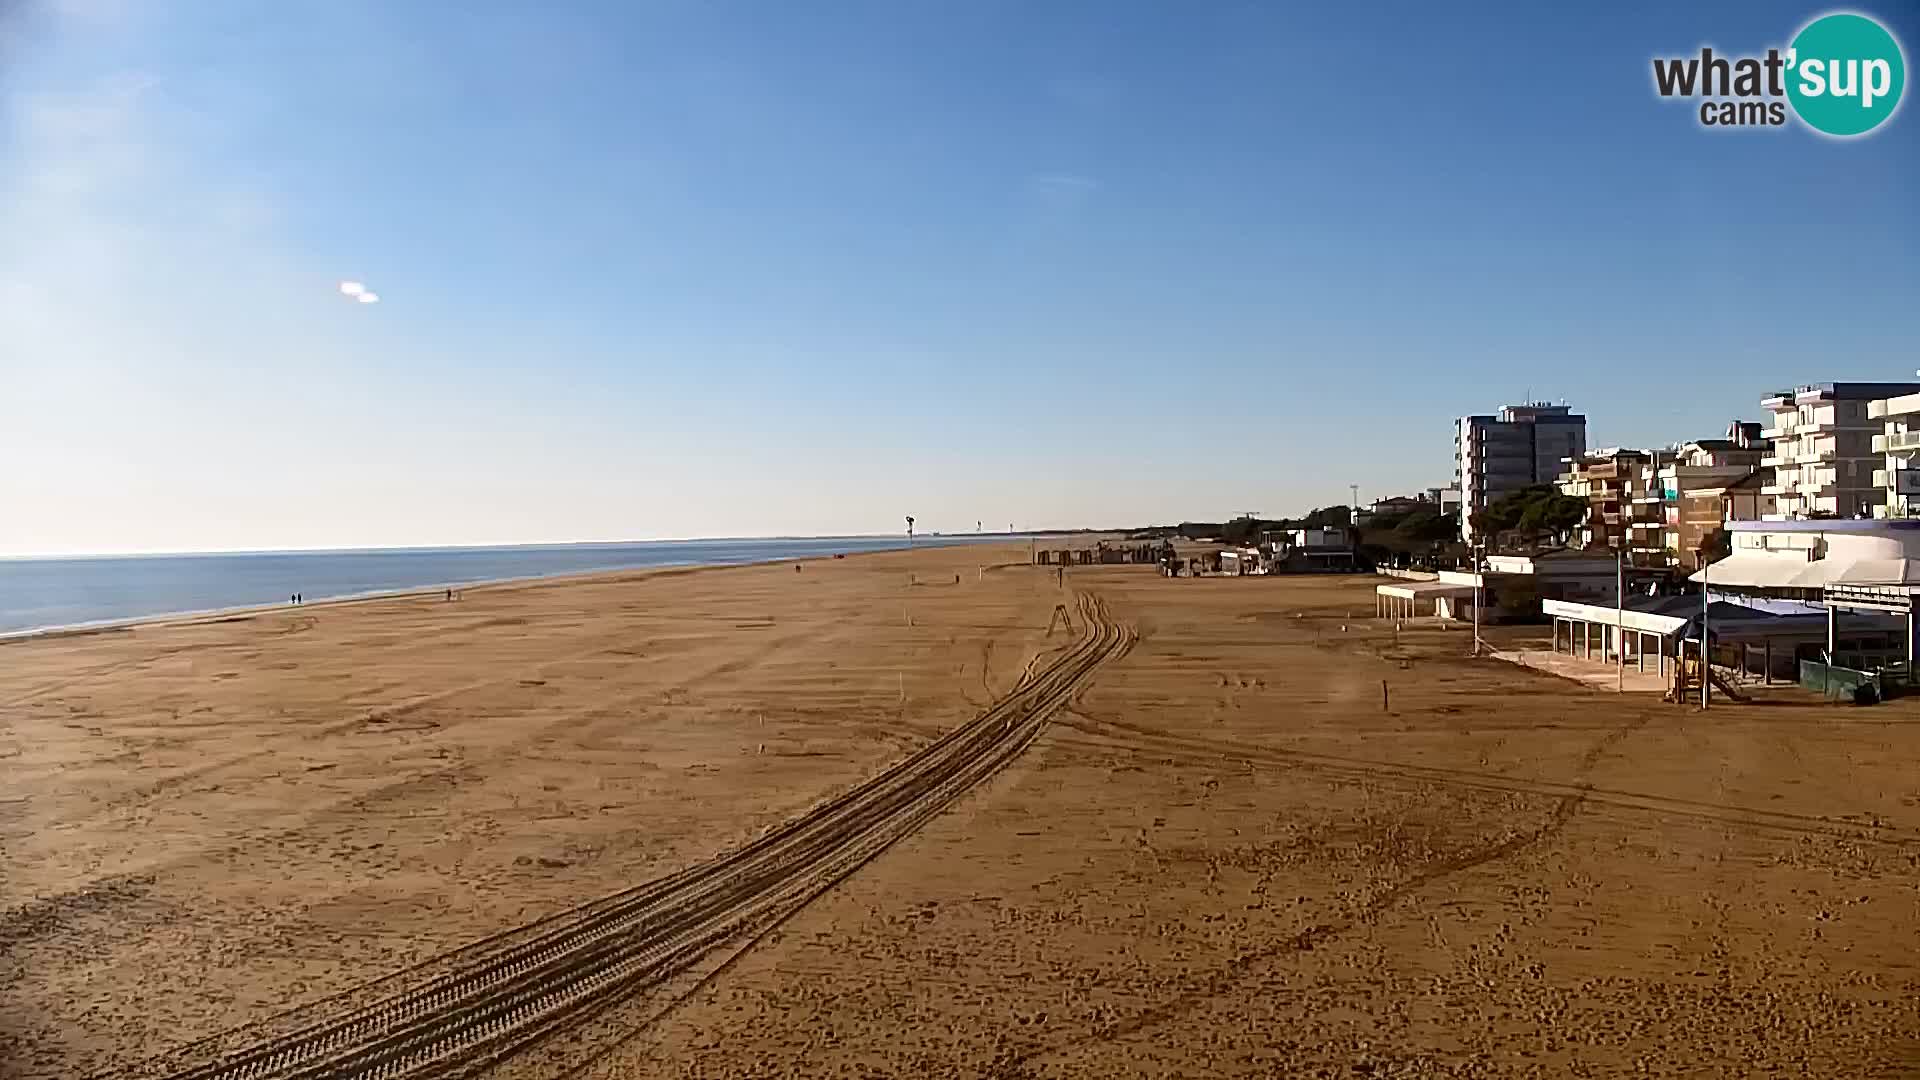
{"x":1404,"y":599}
{"x":1769,"y":643}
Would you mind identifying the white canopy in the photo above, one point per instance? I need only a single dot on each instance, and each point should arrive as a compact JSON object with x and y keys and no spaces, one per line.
{"x":1422,"y":590}
{"x":1763,"y":572}
{"x":1769,"y":572}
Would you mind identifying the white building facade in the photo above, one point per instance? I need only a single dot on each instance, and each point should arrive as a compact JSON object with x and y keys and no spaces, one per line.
{"x":1825,"y":453}
{"x":1898,"y":444}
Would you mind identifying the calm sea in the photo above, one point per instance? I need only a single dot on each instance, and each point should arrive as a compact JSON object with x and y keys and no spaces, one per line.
{"x":43,"y":593}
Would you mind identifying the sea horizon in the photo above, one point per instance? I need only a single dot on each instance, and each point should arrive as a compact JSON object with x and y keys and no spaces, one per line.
{"x":46,"y":594}
{"x":516,"y":544}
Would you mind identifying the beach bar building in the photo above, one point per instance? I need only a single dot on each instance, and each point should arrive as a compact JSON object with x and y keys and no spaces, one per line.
{"x":1511,"y":588}
{"x":1409,"y":599}
{"x":1839,"y":593}
{"x":1646,"y":631}
{"x":1861,"y":576}
{"x":1514,"y":586}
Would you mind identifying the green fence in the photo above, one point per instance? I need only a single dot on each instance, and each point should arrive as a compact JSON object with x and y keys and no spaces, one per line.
{"x":1845,"y":684}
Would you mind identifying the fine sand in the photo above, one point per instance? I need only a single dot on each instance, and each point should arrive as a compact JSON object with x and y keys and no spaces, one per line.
{"x":1227,"y":856}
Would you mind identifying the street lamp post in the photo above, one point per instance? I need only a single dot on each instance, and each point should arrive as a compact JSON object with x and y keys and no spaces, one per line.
{"x":1706,"y":650}
{"x":1619,"y":619}
{"x":1479,"y":591}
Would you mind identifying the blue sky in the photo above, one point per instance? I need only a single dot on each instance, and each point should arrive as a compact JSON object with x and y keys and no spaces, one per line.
{"x":660,"y":269}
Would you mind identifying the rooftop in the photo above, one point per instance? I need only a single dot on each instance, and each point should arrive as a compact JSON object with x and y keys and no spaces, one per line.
{"x":1840,"y":391}
{"x":1529,"y":413}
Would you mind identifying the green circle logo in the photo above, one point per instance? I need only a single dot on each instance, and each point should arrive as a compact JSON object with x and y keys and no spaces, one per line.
{"x":1845,"y":74}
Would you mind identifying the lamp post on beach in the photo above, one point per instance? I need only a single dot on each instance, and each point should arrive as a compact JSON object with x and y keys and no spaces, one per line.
{"x":1619,"y":618}
{"x":1706,"y":649}
{"x":1478,"y":593}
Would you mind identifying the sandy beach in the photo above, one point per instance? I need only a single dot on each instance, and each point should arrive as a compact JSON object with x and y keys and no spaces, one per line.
{"x":1197,"y":843}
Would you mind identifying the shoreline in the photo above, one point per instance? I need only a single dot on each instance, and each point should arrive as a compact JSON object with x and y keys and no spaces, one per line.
{"x":202,"y":616}
{"x":555,"y":545}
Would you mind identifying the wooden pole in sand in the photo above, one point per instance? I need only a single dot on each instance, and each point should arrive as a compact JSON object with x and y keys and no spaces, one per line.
{"x":1383,"y":696}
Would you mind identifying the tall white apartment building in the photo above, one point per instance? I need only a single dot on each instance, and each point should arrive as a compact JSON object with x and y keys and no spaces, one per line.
{"x":1824,"y":455}
{"x":1898,"y":445}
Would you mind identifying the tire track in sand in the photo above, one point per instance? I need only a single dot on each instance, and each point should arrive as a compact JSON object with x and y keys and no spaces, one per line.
{"x":505,"y":993}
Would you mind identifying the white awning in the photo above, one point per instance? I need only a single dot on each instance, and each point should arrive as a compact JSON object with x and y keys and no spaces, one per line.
{"x":1608,"y":615}
{"x":1764,"y":572}
{"x":1423,"y":590}
{"x":1875,"y":572}
{"x":1730,"y":622}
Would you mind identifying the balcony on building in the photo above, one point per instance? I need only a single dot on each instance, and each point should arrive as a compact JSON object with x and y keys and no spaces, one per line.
{"x":1898,"y":509}
{"x":1821,"y":490}
{"x":1824,"y":450}
{"x":1900,"y":481}
{"x":1897,"y":442}
{"x":1904,"y":405}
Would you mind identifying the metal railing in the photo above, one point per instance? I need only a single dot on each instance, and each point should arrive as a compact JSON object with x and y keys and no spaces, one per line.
{"x":1896,"y":442}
